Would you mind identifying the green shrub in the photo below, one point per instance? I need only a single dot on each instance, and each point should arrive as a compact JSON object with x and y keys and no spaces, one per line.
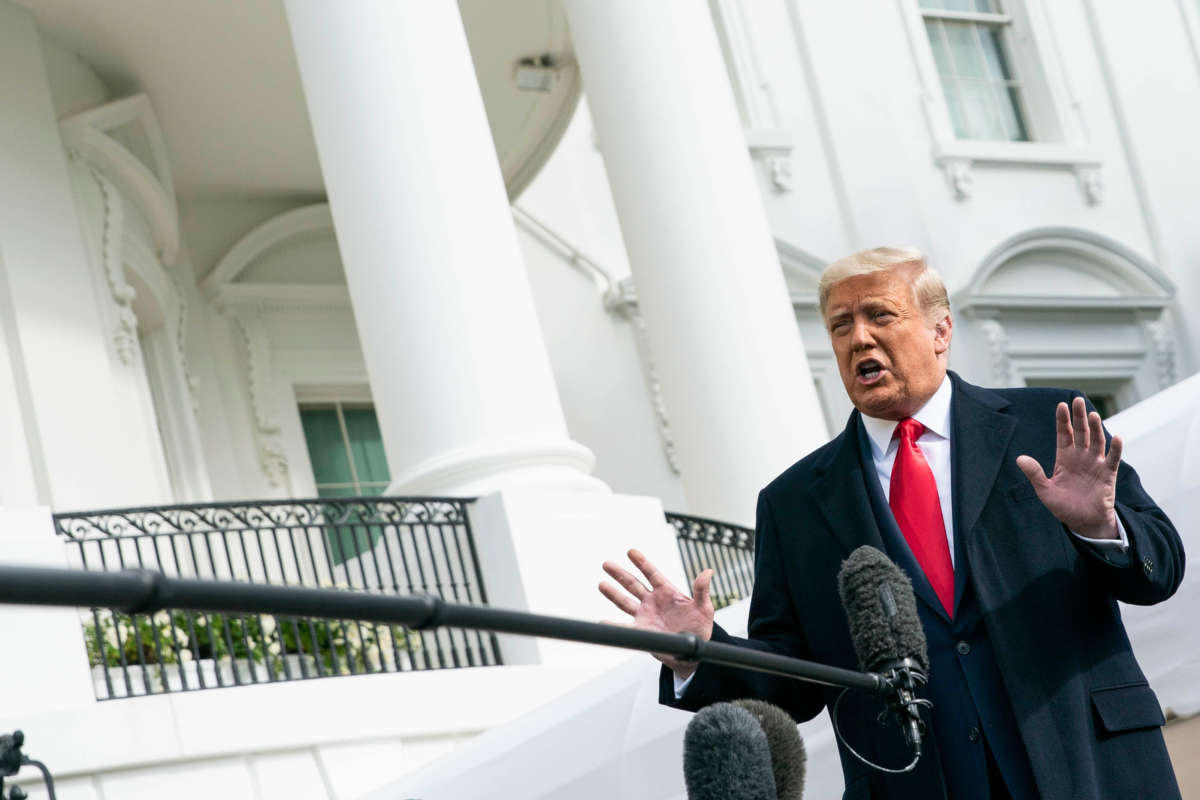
{"x":343,"y":646}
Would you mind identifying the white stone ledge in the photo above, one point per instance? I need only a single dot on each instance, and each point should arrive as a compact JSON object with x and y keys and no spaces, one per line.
{"x":161,"y":730}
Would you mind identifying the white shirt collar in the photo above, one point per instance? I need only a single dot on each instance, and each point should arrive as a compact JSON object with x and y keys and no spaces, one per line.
{"x":934,"y":415}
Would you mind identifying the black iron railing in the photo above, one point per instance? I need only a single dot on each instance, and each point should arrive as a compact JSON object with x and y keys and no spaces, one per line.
{"x":387,"y":545}
{"x":727,"y":549}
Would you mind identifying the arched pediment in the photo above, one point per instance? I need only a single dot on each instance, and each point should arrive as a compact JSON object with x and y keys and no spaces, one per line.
{"x":124,"y":141}
{"x":290,"y":260}
{"x":1066,"y":267}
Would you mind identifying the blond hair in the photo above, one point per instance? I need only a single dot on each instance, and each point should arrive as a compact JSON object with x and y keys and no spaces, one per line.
{"x":927,"y":285}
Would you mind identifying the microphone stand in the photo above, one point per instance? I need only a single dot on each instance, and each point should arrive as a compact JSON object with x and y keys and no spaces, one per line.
{"x":146,"y":591}
{"x":11,"y":761}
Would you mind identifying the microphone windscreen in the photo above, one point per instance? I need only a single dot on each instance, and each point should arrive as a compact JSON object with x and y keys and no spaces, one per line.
{"x":881,"y":610}
{"x":726,"y":756}
{"x":788,"y":759}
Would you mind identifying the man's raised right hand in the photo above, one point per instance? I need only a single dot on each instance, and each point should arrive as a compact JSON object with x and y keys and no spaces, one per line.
{"x":661,"y":607}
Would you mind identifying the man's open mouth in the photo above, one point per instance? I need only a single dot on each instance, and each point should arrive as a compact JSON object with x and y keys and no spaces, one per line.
{"x":869,"y":370}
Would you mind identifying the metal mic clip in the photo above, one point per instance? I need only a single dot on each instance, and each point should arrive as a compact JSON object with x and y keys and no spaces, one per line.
{"x":905,"y":677}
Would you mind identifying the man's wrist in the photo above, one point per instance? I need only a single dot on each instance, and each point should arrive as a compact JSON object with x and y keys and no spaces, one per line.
{"x":1107,"y":530}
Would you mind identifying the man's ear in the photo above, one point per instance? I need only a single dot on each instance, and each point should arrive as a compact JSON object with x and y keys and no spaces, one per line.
{"x":943,"y":329}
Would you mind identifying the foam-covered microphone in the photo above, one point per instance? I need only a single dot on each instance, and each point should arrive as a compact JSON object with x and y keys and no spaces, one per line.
{"x":726,"y":756}
{"x":788,"y":759}
{"x":882,"y":611}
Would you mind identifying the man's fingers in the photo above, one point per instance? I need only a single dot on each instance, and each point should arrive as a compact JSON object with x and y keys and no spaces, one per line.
{"x":619,"y":598}
{"x":1033,"y":471}
{"x":1096,"y":431}
{"x":1062,"y":425}
{"x":651,"y":572}
{"x":1079,"y":423}
{"x":701,"y":587}
{"x":626,"y":579}
{"x":1113,"y":460}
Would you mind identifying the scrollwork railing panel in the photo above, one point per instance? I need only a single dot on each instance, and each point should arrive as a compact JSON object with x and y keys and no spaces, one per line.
{"x":389,"y":545}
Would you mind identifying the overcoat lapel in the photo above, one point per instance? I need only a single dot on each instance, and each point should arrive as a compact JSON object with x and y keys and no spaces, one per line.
{"x":840,"y":492}
{"x":978,"y":447}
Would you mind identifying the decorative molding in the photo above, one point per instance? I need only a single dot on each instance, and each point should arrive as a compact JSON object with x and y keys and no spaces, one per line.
{"x":754,"y":93}
{"x":125,"y":333}
{"x":997,"y":339}
{"x":630,"y":310}
{"x":959,"y":176}
{"x":1163,"y":347}
{"x":150,"y":187}
{"x":271,"y":452}
{"x":780,"y":169}
{"x":181,"y":320}
{"x":958,"y":158}
{"x":1091,"y":183}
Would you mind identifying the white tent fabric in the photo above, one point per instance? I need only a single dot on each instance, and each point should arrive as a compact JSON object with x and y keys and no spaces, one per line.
{"x":610,"y":738}
{"x":1162,"y":442}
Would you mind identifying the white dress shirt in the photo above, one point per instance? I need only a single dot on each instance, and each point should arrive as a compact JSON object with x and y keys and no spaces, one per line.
{"x":935,"y":445}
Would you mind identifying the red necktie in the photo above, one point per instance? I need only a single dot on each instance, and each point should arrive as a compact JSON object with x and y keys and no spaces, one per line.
{"x":914,"y":500}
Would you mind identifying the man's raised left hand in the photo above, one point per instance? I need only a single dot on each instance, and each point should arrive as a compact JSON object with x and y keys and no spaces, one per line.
{"x":1081,"y":491}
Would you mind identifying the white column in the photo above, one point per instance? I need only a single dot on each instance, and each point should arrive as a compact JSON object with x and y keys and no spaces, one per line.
{"x":734,"y":376}
{"x":458,"y":368}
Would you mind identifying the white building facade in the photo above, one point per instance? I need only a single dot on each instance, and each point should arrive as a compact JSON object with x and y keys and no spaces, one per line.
{"x":557,"y":256}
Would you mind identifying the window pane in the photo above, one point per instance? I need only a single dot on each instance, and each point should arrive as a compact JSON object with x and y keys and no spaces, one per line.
{"x":979,"y":109}
{"x":366,"y":444}
{"x":965,"y":52}
{"x":937,"y":43}
{"x":993,"y":50}
{"x":326,"y":449}
{"x":1014,"y":125}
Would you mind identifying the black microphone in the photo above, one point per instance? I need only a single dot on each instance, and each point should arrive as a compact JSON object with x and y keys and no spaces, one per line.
{"x":726,"y":756}
{"x":882,"y":611}
{"x":788,"y":759}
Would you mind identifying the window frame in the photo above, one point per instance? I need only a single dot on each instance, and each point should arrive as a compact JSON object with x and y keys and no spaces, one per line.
{"x":1051,"y":107}
{"x":339,"y":406}
{"x":1004,"y":23}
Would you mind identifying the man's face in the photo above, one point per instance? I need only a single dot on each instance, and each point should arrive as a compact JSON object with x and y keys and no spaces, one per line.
{"x":889,"y":352}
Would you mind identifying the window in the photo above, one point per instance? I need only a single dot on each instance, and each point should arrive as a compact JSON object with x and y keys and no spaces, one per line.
{"x":983,"y":95}
{"x":1106,"y":396}
{"x":346,"y":451}
{"x":345,"y":448}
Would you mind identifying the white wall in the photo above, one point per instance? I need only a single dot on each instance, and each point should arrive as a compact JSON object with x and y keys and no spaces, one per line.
{"x":74,"y":418}
{"x":1152,"y":67}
